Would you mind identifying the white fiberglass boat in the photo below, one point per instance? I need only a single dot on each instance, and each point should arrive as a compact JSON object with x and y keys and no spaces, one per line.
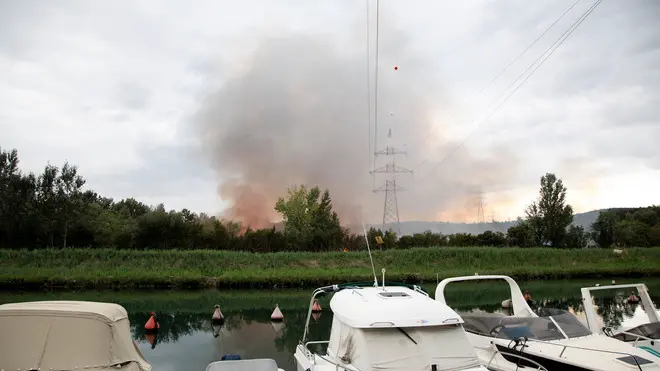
{"x":645,"y":336}
{"x":67,"y":335}
{"x":261,"y":364}
{"x":390,"y":327}
{"x":557,"y":340}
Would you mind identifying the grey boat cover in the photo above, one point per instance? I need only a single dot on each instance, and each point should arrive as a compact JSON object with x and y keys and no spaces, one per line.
{"x":264,"y":364}
{"x":67,"y":335}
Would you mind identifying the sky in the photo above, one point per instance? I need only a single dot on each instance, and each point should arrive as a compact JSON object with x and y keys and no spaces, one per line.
{"x":221,"y":106}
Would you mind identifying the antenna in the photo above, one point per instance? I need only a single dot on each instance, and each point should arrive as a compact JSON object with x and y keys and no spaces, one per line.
{"x":373,"y":269}
{"x":383,"y":271}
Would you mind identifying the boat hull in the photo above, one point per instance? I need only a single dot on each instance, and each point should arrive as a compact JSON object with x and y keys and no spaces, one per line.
{"x":549,"y":364}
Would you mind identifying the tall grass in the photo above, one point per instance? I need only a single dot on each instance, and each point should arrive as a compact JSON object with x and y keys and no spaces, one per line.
{"x":206,"y":268}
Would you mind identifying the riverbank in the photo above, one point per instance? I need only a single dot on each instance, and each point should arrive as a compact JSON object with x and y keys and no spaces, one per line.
{"x":110,"y":268}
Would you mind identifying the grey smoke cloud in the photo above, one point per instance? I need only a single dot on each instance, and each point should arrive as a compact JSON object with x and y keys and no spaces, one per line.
{"x":299,"y":115}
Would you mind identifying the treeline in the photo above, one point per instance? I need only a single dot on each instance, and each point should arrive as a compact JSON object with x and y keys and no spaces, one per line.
{"x":53,"y":210}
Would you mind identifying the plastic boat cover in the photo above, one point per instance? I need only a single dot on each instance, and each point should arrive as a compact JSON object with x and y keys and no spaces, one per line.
{"x":406,"y":348}
{"x":67,"y":335}
{"x":243,"y":365}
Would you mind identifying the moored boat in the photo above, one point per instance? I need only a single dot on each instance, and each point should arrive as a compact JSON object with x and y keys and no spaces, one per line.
{"x":388,"y":327}
{"x":67,"y":335}
{"x":554,"y":339}
{"x":645,"y":336}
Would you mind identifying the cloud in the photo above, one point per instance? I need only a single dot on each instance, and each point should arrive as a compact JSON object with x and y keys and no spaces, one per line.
{"x":124,"y":89}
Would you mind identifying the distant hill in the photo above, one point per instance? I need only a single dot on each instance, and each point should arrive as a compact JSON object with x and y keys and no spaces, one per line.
{"x":410,"y":227}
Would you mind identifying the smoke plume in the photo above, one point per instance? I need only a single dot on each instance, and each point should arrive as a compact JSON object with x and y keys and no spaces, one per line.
{"x":298,"y":114}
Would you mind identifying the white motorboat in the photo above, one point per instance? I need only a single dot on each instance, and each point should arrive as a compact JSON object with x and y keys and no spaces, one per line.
{"x":389,"y":327}
{"x":260,"y":364}
{"x":557,"y":340}
{"x":67,"y":335}
{"x":645,"y":336}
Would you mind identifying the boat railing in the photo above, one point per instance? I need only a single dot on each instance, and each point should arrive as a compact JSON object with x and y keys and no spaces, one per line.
{"x":610,"y":332}
{"x":311,"y":354}
{"x":496,"y":351}
{"x":523,"y":341}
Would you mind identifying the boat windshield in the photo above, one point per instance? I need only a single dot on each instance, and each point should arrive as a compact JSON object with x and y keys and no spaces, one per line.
{"x":547,"y":327}
{"x":649,"y":330}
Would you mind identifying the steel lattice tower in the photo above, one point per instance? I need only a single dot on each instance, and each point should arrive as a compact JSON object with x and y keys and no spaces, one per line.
{"x":480,"y":209}
{"x":391,"y":206}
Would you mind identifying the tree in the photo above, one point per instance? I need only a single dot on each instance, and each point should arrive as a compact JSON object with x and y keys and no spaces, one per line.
{"x":308,"y":220}
{"x":549,"y":216}
{"x":602,"y":230}
{"x":68,"y":185}
{"x":521,"y":235}
{"x":47,"y":202}
{"x":576,"y":237}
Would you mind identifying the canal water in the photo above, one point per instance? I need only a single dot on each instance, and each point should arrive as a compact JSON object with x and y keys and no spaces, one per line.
{"x":187,"y":341}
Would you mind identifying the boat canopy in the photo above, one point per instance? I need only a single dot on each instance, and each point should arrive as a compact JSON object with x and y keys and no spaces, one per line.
{"x":391,"y":306}
{"x":402,"y":348}
{"x":553,"y":325}
{"x":394,"y":328}
{"x":67,"y":335}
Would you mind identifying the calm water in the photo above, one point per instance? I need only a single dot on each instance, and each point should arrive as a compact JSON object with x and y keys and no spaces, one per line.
{"x":188,"y":341}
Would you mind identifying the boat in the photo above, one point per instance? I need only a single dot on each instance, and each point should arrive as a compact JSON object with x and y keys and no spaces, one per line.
{"x":393,"y":326}
{"x":554,"y":339}
{"x":67,"y":335}
{"x":258,"y":364}
{"x":645,"y":336}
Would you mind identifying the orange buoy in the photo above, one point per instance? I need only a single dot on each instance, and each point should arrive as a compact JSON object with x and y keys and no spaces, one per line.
{"x":152,"y":324}
{"x":277,"y":314}
{"x":152,"y":339}
{"x":217,"y":316}
{"x":633,"y":298}
{"x":316,"y":307}
{"x":528,"y":296}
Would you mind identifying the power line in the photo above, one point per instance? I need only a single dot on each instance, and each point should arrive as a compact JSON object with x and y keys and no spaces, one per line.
{"x":515,"y":59}
{"x":556,"y":45}
{"x":528,"y":47}
{"x":376,"y":85}
{"x":369,"y":89}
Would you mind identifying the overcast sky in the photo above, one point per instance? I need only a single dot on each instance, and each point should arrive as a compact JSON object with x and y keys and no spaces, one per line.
{"x":187,"y":103}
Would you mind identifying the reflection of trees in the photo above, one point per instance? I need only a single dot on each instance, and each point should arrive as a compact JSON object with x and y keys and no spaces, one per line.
{"x":177,"y":324}
{"x":613,"y":309}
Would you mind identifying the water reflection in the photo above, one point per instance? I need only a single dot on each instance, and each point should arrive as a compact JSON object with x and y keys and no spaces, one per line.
{"x":188,"y":340}
{"x":249,"y":333}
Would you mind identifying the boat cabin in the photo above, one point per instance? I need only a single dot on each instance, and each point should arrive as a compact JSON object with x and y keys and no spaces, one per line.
{"x":396,"y":328}
{"x":67,"y":335}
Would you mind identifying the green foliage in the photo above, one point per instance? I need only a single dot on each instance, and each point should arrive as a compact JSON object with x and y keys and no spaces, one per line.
{"x":53,"y":210}
{"x":522,"y":235}
{"x":627,"y":227}
{"x":309,"y":221}
{"x":78,"y":268}
{"x":549,"y":216}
